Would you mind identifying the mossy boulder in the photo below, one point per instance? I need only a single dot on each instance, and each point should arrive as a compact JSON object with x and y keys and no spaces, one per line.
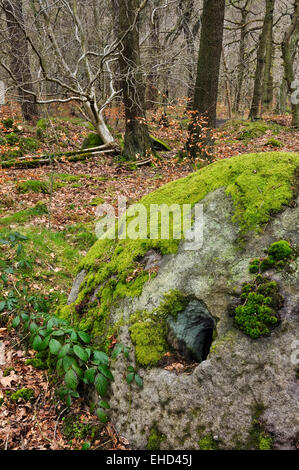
{"x":249,"y":207}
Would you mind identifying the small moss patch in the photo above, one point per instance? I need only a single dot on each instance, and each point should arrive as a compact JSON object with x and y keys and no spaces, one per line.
{"x":208,"y":443}
{"x":155,"y":439}
{"x":24,"y":394}
{"x":260,"y":299}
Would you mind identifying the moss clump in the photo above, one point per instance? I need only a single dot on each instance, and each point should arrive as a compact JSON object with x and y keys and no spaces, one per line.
{"x":265,"y":442}
{"x":252,"y":130}
{"x":259,"y":439}
{"x":29,"y":144}
{"x":274,"y":143}
{"x":7,"y":371}
{"x":37,"y":363}
{"x":258,"y":314}
{"x":261,"y":299}
{"x":12,"y":139}
{"x":35,"y":186}
{"x":155,"y":439}
{"x":149,"y":330}
{"x":208,"y":443}
{"x":92,"y":140}
{"x":24,"y":394}
{"x":23,"y":216}
{"x":279,"y":254}
{"x":259,"y":185}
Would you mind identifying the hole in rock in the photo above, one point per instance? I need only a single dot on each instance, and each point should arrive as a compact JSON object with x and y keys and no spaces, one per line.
{"x":191,"y":333}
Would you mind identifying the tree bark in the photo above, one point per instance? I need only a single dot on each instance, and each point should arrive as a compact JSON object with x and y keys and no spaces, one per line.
{"x":137,"y":140}
{"x":242,"y":57}
{"x":206,"y":87}
{"x":288,"y":46}
{"x":261,"y":57}
{"x":153,"y":78}
{"x":20,"y":64}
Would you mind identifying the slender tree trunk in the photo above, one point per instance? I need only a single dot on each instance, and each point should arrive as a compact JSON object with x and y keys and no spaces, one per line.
{"x":20,"y":64}
{"x":137,"y":140}
{"x":187,"y":9}
{"x":206,"y":87}
{"x":153,"y":78}
{"x":242,"y":57}
{"x":289,"y":44}
{"x":268,"y":77}
{"x":261,"y":57}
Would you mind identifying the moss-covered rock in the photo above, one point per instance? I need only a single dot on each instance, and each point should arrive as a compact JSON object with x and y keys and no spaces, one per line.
{"x":248,"y":207}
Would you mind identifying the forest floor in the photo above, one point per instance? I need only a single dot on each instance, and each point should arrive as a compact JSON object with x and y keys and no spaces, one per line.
{"x":58,"y":224}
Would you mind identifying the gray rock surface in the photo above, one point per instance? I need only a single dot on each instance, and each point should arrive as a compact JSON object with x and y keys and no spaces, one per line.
{"x":221,"y":396}
{"x":191,"y":333}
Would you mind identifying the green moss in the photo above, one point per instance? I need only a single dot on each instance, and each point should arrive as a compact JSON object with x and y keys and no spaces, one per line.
{"x":274,"y":143}
{"x":155,"y":439}
{"x":37,"y":363}
{"x":259,"y":185}
{"x":149,"y":330}
{"x":7,"y":371}
{"x":265,"y":442}
{"x":208,"y":443}
{"x":28,"y":144}
{"x":12,"y":139}
{"x":25,"y":394}
{"x":258,"y":438}
{"x":91,"y":141}
{"x":23,"y":216}
{"x":35,"y":186}
{"x":261,"y":299}
{"x":252,"y":130}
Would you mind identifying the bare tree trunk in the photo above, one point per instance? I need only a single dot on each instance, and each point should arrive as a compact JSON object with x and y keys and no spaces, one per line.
{"x":20,"y":65}
{"x":242,"y":57}
{"x":187,"y":9}
{"x":152,"y":83}
{"x":137,"y":140}
{"x":289,"y":44}
{"x":206,"y":87}
{"x":268,"y":77}
{"x":261,"y":57}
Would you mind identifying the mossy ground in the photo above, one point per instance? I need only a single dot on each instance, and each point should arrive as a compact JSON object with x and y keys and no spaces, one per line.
{"x":259,"y":185}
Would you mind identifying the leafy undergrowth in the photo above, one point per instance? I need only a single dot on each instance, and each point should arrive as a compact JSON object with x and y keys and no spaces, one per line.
{"x":36,"y":419}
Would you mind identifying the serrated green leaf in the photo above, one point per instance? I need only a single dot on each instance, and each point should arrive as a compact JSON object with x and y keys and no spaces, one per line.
{"x":2,"y":305}
{"x":33,"y":327}
{"x":105,"y":371}
{"x":16,"y":321}
{"x":90,"y":375}
{"x":71,"y":379}
{"x":54,"y":346}
{"x":84,"y":336}
{"x":58,"y":333}
{"x":104,"y":404}
{"x":138,"y":380}
{"x":101,"y":384}
{"x":102,"y":415}
{"x":81,"y":353}
{"x":130,"y":377}
{"x":37,"y":343}
{"x":99,"y":357}
{"x":65,"y":350}
{"x":68,"y":361}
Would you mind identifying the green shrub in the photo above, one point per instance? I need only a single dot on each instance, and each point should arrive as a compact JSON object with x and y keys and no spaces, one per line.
{"x":12,"y":138}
